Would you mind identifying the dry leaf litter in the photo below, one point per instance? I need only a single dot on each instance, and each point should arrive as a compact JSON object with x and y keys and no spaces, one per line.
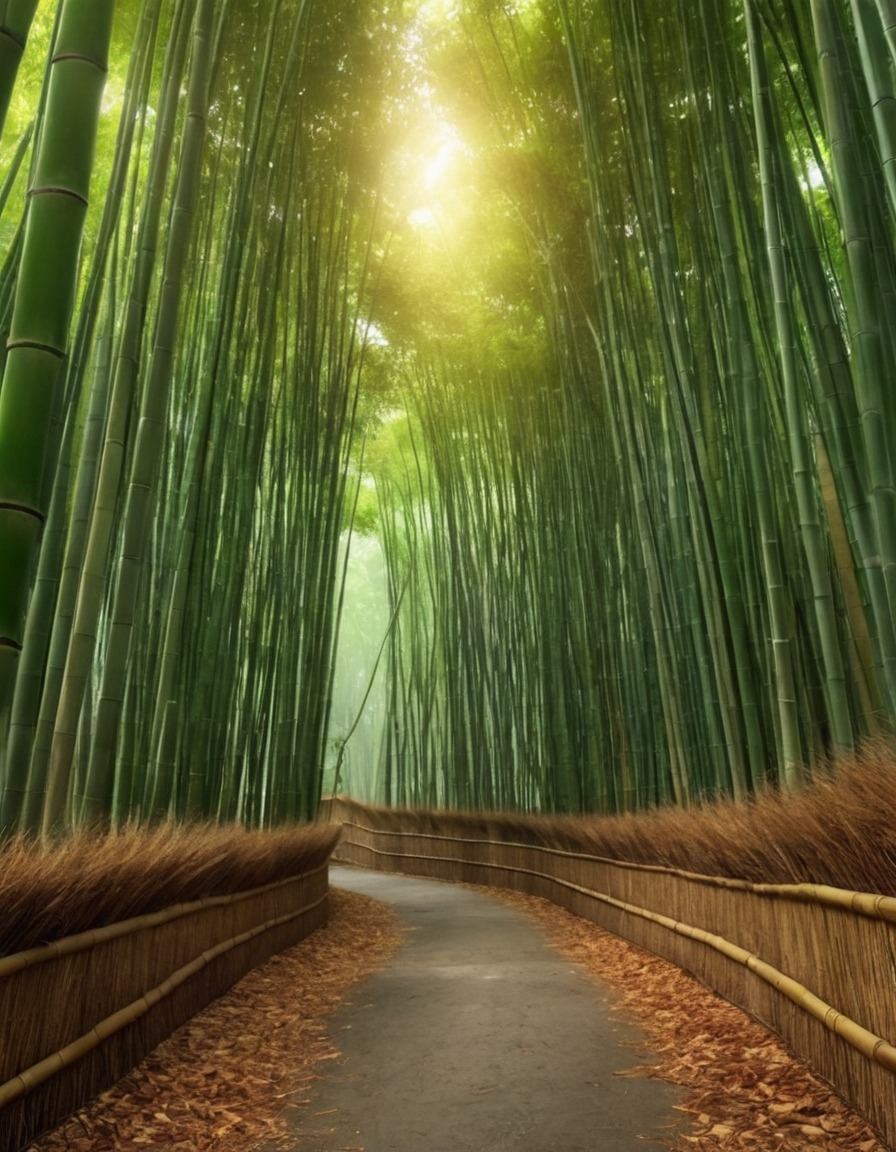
{"x":743,"y":1088}
{"x":222,"y":1081}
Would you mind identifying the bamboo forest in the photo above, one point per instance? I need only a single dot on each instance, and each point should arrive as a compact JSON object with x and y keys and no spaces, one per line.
{"x":467,"y":404}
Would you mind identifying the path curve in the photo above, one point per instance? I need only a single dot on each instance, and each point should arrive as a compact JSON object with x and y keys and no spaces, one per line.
{"x":477,"y":1037}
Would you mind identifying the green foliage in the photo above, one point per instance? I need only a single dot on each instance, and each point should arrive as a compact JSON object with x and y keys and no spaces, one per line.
{"x":672,"y":621}
{"x":365,"y":519}
{"x":206,"y":519}
{"x":574,"y":313}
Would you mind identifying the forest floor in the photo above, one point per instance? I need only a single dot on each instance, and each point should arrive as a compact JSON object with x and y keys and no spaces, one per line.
{"x":225,"y":1080}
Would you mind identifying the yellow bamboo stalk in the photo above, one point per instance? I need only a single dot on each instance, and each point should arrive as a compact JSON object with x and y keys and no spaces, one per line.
{"x":871,"y":1046}
{"x":31,"y":1077}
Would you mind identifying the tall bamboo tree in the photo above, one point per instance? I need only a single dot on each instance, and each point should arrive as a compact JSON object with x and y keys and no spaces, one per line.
{"x":43,"y":305}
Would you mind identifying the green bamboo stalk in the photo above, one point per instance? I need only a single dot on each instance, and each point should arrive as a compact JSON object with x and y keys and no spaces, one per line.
{"x":44,"y":302}
{"x":15,"y":24}
{"x":887,"y":12}
{"x":22,"y":794}
{"x":801,"y":456}
{"x":879,"y":81}
{"x":46,"y":636}
{"x":98,"y":787}
{"x":869,"y":347}
{"x":81,"y":596}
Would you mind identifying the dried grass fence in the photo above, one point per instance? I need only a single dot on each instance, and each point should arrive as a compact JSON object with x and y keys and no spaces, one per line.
{"x":78,"y":1013}
{"x":816,"y":964}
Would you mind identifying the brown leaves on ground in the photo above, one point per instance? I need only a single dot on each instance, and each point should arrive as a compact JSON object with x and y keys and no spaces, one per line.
{"x":744,"y":1089}
{"x":222,"y":1080}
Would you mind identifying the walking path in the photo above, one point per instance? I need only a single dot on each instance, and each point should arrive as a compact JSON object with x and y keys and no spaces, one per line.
{"x":477,"y":1037}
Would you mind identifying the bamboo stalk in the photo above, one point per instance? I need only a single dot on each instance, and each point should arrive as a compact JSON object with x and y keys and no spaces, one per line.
{"x":14,"y":28}
{"x":101,"y":768}
{"x":45,"y":296}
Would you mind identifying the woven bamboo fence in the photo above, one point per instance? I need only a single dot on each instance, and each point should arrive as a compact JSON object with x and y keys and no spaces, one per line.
{"x":79,"y":1013}
{"x":817,"y":965}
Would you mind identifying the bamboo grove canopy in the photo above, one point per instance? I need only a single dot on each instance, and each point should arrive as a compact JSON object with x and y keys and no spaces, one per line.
{"x":577,"y":315}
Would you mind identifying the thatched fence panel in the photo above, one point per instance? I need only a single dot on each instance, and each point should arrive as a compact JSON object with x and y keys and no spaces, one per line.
{"x":79,"y":1013}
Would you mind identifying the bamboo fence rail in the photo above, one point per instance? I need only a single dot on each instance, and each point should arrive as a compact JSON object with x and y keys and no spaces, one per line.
{"x":82,"y":1011}
{"x":815,"y":964}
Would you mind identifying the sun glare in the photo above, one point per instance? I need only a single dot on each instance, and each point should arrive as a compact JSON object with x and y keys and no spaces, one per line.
{"x":435,"y":11}
{"x":439,"y":165}
{"x":422,"y":218}
{"x":434,"y":169}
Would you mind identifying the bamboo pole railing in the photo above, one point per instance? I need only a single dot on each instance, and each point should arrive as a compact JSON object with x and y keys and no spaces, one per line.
{"x":813,"y":963}
{"x":80,"y":1012}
